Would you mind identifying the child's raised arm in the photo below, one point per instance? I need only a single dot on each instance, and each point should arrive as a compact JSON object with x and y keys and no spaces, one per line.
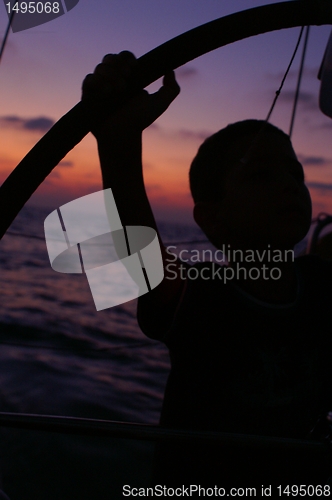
{"x":120,"y":150}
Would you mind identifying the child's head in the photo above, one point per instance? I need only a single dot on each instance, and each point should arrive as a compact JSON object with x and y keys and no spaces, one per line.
{"x":253,"y":203}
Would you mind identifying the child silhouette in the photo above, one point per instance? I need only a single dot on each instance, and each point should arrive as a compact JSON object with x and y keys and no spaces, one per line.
{"x":249,"y":342}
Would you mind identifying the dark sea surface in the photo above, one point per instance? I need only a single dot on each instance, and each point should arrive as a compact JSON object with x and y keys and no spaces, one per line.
{"x":59,"y":356}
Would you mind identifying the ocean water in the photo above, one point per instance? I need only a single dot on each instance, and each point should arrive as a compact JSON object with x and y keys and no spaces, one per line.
{"x":59,"y":356}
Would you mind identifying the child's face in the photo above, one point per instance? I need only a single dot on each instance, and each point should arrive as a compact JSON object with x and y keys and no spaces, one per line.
{"x":265,"y":200}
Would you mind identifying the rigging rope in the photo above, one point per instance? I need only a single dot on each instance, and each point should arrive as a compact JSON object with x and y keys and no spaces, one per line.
{"x":4,"y":41}
{"x":246,"y":158}
{"x":285,"y":75}
{"x":297,"y":93}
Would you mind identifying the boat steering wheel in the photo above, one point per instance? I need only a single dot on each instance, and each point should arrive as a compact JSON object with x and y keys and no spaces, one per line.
{"x":73,"y":126}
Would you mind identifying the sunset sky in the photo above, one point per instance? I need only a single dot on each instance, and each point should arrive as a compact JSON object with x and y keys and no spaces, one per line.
{"x":43,"y":67}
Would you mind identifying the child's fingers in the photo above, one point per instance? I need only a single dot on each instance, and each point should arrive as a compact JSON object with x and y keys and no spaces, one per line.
{"x":113,"y":78}
{"x":93,"y":82}
{"x":116,"y":68}
{"x":125,"y":55}
{"x":108,"y":58}
{"x":170,"y":81}
{"x":128,"y":58}
{"x":170,"y":88}
{"x":167,"y":93}
{"x":123,"y":62}
{"x":97,"y":87}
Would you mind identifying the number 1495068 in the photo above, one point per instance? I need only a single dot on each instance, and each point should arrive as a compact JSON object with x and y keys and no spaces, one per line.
{"x":304,"y":490}
{"x":34,"y":7}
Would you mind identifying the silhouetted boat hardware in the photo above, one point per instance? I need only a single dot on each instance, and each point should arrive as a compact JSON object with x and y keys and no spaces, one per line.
{"x":323,"y":220}
{"x":109,"y":428}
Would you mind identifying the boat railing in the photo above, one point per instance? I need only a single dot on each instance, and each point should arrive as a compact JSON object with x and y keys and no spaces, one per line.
{"x":322,"y":220}
{"x":146,"y":432}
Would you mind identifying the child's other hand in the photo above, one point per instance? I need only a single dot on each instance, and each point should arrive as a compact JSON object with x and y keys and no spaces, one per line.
{"x":111,"y":78}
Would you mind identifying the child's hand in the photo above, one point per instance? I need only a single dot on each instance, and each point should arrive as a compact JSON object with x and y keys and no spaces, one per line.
{"x":111,"y":78}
